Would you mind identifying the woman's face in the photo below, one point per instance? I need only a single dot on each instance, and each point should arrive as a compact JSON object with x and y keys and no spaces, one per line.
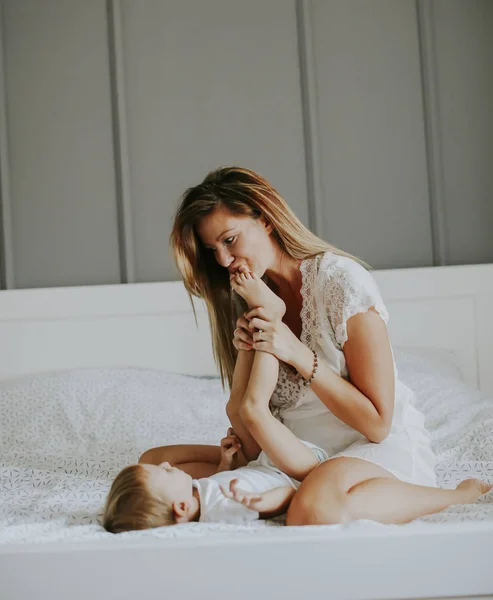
{"x":238,"y":240}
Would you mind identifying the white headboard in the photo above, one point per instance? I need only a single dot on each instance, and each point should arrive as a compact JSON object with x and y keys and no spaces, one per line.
{"x":151,"y":324}
{"x":444,"y":307}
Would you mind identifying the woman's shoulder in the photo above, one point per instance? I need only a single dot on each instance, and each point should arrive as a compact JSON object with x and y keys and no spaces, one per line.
{"x":347,"y":288}
{"x":343,"y":278}
{"x":338,"y":275}
{"x":339,"y":268}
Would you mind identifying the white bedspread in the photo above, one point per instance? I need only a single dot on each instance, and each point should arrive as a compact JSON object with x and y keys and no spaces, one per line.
{"x":64,"y":436}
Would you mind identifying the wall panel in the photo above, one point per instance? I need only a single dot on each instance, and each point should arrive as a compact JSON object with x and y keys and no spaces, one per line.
{"x":371,"y":130}
{"x":61,"y":169}
{"x":207,"y":84}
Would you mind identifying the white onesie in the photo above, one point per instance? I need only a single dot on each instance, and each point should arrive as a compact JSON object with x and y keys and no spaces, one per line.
{"x":258,"y":475}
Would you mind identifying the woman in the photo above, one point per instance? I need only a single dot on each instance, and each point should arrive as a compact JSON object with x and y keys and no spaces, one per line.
{"x":338,"y":386}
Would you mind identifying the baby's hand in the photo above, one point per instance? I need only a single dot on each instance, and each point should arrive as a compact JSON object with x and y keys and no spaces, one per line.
{"x":229,"y":447}
{"x":248,"y":499}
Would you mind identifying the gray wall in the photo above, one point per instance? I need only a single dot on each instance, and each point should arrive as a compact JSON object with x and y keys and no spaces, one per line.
{"x":373,"y":118}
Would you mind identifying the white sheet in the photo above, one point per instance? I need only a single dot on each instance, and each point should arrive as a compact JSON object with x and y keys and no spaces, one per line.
{"x":64,"y":436}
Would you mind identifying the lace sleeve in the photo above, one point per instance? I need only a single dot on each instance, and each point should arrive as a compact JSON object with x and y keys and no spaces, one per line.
{"x":349,"y":289}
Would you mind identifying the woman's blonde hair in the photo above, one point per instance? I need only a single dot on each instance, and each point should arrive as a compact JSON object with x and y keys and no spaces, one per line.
{"x":242,"y":192}
{"x":131,"y":504}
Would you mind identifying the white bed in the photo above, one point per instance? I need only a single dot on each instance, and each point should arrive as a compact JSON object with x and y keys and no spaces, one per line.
{"x":85,"y":385}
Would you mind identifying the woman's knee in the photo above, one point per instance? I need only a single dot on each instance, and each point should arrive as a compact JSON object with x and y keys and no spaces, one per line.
{"x":308,"y":509}
{"x":324,"y":496}
{"x":321,"y":498}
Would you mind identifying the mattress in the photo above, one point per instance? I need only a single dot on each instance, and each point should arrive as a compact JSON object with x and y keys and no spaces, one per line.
{"x":65,"y":435}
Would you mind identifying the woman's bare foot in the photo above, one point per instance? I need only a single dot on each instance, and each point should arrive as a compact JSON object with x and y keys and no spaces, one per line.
{"x":256,"y":293}
{"x":472,"y":489}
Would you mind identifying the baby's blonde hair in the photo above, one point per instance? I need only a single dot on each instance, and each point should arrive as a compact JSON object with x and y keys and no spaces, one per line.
{"x":131,"y":504}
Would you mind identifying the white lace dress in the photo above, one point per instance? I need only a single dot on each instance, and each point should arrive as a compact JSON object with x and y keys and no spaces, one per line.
{"x":334,"y":288}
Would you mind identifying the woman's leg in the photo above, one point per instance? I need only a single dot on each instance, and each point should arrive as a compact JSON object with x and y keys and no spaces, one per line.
{"x":346,"y":489}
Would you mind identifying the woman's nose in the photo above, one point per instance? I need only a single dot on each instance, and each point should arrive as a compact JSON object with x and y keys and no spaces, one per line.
{"x":224,"y":257}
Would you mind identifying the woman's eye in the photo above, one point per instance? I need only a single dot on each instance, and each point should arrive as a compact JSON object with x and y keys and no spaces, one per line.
{"x":229,"y":241}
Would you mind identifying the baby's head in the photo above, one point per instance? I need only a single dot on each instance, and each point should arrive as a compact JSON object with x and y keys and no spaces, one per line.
{"x":145,"y":496}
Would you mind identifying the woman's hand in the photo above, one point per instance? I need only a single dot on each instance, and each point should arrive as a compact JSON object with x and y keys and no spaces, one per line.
{"x":243,"y":336}
{"x":272,"y":335}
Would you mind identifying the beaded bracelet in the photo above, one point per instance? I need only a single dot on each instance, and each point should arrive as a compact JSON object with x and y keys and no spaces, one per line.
{"x":307,"y":382}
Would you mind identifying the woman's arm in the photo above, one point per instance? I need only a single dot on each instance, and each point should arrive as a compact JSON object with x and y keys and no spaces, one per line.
{"x":366,"y":402}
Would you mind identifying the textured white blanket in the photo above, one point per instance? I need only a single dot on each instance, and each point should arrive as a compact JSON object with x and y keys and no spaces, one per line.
{"x":64,"y":436}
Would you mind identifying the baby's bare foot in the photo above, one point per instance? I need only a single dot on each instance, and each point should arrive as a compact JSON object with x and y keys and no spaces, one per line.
{"x":256,"y":293}
{"x":473,"y":489}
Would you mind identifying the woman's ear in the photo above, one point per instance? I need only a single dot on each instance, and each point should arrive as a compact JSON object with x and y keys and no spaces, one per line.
{"x":181,"y":511}
{"x":266,"y":224}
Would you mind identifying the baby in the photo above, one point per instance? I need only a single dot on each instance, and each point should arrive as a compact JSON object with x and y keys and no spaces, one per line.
{"x":145,"y":495}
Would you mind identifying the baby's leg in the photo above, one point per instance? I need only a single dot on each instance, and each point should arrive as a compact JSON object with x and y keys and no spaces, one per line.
{"x":257,"y":293}
{"x":263,"y":378}
{"x":283,"y":448}
{"x":241,"y":377}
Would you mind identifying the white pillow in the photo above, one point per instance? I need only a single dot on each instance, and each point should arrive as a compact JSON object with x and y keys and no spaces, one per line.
{"x":128,"y":407}
{"x":438,"y":361}
{"x":115,"y":407}
{"x":83,"y":411}
{"x":459,"y":417}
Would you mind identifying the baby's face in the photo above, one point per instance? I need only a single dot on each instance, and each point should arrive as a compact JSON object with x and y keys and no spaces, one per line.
{"x":170,"y":483}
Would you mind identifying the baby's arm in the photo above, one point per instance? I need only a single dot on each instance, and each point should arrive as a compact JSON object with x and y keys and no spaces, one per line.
{"x":275,"y":502}
{"x":268,"y":504}
{"x":280,"y":444}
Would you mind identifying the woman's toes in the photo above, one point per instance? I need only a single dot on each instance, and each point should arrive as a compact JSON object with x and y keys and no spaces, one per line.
{"x":475,"y":487}
{"x":485,"y":487}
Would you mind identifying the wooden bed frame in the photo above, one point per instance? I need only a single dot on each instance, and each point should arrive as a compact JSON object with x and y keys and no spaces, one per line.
{"x":152,"y":326}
